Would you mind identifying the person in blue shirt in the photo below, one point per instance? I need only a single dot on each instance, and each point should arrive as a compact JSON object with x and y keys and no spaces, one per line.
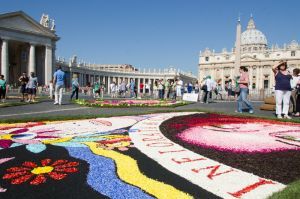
{"x":132,"y":86}
{"x":75,"y":87}
{"x":59,"y":82}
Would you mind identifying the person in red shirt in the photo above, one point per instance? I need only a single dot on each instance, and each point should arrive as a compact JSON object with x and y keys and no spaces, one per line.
{"x":141,"y":89}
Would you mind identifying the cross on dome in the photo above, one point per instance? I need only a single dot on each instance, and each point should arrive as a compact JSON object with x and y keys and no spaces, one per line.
{"x":251,"y":24}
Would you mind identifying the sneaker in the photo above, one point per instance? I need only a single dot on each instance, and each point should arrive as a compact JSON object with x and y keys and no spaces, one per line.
{"x":287,"y":117}
{"x":236,"y":111}
{"x":55,"y":103}
{"x":251,"y":111}
{"x":279,"y":116}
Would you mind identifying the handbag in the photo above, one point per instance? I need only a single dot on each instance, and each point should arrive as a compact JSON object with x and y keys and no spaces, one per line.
{"x":204,"y":87}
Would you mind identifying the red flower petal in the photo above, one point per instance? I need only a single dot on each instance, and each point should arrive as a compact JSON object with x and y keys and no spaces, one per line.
{"x":69,"y":164}
{"x":5,"y":143}
{"x":21,"y":179}
{"x":16,"y":169}
{"x":67,"y":170}
{"x":58,"y":162}
{"x":14,"y":175}
{"x":57,"y":176}
{"x":29,"y":164}
{"x":45,"y":162}
{"x":38,"y":180}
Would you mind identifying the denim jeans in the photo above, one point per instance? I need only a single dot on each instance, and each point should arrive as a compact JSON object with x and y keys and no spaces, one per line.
{"x":243,"y":98}
{"x":161,"y":94}
{"x":75,"y":92}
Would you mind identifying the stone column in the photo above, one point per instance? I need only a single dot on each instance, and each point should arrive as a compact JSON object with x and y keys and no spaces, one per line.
{"x":250,"y":77}
{"x":48,"y":64}
{"x":222,"y":78}
{"x":139,"y":83}
{"x":272,"y":78}
{"x":108,"y":85}
{"x":4,"y":60}
{"x":31,"y":66}
{"x":261,"y":78}
{"x":257,"y":77}
{"x":232,"y":73}
{"x":144,"y":82}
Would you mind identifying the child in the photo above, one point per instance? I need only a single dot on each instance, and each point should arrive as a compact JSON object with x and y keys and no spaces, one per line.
{"x":51,"y":89}
{"x":2,"y":88}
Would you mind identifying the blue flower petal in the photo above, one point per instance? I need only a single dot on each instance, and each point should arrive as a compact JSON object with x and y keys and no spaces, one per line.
{"x":35,"y":148}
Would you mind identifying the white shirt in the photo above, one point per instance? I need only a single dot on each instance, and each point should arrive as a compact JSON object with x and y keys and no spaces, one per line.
{"x":210,"y":84}
{"x":113,"y":87}
{"x":179,"y":84}
{"x":294,"y":81}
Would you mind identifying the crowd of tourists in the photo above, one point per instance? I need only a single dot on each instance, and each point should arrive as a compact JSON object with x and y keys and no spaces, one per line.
{"x":287,"y":88}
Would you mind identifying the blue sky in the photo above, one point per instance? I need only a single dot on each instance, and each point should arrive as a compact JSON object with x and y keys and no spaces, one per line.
{"x":158,"y":33}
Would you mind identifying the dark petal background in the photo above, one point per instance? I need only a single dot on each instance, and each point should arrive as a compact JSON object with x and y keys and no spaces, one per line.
{"x":72,"y":186}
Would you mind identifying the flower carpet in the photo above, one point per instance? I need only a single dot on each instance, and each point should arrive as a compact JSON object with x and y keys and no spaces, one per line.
{"x":167,"y":155}
{"x":125,"y":103}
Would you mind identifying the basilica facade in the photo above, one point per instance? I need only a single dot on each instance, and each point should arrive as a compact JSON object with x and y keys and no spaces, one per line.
{"x":251,"y":50}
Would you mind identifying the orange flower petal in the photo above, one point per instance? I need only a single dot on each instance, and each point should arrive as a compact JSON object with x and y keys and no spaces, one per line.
{"x":29,"y":164}
{"x":16,"y":169}
{"x":14,"y":175}
{"x":38,"y":180}
{"x":45,"y":162}
{"x":58,"y":162}
{"x":57,"y":176}
{"x":69,"y":164}
{"x":21,"y":179}
{"x":67,"y":170}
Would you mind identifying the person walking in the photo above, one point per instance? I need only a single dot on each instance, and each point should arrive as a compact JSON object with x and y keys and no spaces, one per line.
{"x":32,"y":87}
{"x":207,"y":89}
{"x":155,"y":90}
{"x":282,"y":89}
{"x":179,"y":86}
{"x":2,"y":88}
{"x":123,"y":89}
{"x":167,"y":89}
{"x":294,"y":86}
{"x":243,"y":83}
{"x":141,"y":89}
{"x":23,"y":79}
{"x":59,"y":82}
{"x":297,"y":114}
{"x":75,"y":87}
{"x":132,"y":87}
{"x":161,"y":89}
{"x":113,"y":90}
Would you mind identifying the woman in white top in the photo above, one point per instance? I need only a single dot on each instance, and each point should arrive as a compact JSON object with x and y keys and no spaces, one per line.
{"x":113,"y":89}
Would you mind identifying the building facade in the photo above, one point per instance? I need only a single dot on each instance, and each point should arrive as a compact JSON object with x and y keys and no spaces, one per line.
{"x":27,"y":46}
{"x":89,"y":73}
{"x":251,"y":50}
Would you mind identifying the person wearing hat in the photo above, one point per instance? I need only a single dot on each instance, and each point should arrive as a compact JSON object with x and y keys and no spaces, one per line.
{"x":282,"y":89}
